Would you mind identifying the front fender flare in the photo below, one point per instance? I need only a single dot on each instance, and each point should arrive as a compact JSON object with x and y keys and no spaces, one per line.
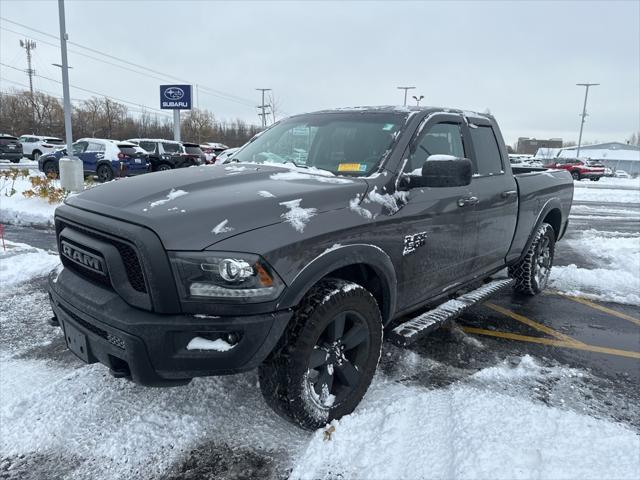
{"x":329,"y":261}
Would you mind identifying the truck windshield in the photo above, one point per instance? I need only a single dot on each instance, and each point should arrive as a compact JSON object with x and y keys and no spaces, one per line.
{"x":343,"y":143}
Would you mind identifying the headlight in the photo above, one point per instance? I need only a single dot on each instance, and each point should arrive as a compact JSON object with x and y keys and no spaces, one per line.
{"x":231,"y":277}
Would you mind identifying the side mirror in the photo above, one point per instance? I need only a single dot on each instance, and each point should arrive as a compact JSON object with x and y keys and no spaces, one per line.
{"x":444,"y":171}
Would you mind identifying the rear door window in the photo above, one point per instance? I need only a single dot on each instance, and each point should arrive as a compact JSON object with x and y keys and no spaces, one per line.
{"x":148,"y":146}
{"x":193,"y":150}
{"x":487,"y":153}
{"x":171,"y":147}
{"x":95,"y":147}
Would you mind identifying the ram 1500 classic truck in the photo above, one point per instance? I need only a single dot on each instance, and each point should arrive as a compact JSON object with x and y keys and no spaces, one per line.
{"x":325,"y":231}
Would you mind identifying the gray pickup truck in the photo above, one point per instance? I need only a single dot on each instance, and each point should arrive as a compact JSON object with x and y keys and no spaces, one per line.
{"x":323,"y":232}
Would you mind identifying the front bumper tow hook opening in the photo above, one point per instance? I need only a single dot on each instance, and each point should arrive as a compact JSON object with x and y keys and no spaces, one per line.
{"x":53,"y":321}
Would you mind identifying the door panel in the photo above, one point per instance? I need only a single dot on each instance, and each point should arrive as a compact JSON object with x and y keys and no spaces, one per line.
{"x":440,"y":242}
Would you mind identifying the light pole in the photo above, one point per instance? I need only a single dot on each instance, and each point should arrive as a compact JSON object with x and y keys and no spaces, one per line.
{"x":584,"y":111}
{"x":70,"y":172}
{"x":418,"y":99}
{"x":405,"y":93}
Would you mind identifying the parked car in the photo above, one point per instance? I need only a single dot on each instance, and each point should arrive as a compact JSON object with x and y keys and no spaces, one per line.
{"x":10,"y":148}
{"x":225,"y":155}
{"x":34,"y":146}
{"x":106,"y":159}
{"x":621,"y":174}
{"x":578,"y":168}
{"x":195,"y":151}
{"x":297,"y":270}
{"x":212,"y":150}
{"x":166,"y":154}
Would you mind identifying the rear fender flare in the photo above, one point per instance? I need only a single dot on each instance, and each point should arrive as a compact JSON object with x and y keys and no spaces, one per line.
{"x":552,"y":203}
{"x":329,"y":261}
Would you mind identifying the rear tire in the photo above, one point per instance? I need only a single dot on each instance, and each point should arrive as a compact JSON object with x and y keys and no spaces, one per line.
{"x":163,"y":167}
{"x":14,"y":160}
{"x":532,"y":272}
{"x":595,"y":179}
{"x":326,"y":358}
{"x":105,"y":173}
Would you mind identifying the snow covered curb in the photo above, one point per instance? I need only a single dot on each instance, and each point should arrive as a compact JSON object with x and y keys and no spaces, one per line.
{"x":21,"y":262}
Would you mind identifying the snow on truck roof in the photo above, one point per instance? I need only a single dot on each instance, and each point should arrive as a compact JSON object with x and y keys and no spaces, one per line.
{"x":403,"y":109}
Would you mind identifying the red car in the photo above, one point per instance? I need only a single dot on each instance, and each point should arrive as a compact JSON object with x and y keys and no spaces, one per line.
{"x":577,"y":168}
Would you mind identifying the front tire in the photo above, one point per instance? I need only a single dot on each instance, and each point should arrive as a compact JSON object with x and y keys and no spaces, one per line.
{"x":163,"y":167}
{"x":51,"y":170}
{"x":105,"y":173}
{"x":531,"y":274}
{"x":327,"y":356}
{"x":576,"y":175}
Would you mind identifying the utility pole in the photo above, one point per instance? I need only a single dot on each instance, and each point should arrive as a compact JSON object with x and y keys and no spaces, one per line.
{"x":584,"y":111}
{"x":263,"y":107}
{"x":29,"y":45}
{"x":418,"y":99}
{"x":405,"y":93}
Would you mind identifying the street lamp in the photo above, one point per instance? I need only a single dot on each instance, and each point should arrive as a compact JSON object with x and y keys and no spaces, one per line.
{"x":417,"y":99}
{"x":405,"y":93}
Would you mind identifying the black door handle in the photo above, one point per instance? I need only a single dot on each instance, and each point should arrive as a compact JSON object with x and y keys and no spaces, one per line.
{"x":509,"y":193}
{"x":463,"y":202}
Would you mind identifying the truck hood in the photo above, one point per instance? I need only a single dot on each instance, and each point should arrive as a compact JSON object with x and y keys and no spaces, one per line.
{"x":193,"y":208}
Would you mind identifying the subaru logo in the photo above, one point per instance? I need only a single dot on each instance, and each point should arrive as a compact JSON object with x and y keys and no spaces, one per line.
{"x":82,"y":257}
{"x":174,"y":93}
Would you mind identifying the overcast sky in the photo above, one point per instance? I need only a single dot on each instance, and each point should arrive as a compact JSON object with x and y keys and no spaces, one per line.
{"x":520,"y":60}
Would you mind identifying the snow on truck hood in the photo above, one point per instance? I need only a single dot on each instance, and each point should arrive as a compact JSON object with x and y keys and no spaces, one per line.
{"x":193,"y":208}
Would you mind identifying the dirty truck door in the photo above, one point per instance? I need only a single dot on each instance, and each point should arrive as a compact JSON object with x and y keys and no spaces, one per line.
{"x":439,"y":233}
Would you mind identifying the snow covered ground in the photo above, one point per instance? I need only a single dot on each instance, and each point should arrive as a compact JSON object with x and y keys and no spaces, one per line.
{"x":19,"y":210}
{"x":614,"y":251}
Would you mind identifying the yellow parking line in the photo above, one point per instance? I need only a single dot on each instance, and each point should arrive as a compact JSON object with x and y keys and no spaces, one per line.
{"x":552,"y":342}
{"x":602,"y":308}
{"x":533,"y":324}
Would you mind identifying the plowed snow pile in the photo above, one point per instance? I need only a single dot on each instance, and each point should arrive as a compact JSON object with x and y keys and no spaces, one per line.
{"x":468,"y":431}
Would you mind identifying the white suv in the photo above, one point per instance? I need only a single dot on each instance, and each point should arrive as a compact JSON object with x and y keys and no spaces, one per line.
{"x":33,"y":146}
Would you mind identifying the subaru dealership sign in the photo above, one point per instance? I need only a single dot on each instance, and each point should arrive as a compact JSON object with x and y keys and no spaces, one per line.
{"x":175,"y":97}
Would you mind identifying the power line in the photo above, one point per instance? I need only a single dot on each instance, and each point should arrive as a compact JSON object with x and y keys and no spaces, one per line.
{"x":91,"y":91}
{"x":207,"y":90}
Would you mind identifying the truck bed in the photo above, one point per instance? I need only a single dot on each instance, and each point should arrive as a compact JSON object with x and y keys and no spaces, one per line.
{"x":538,"y":190}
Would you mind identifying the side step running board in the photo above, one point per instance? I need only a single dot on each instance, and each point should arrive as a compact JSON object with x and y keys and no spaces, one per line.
{"x":408,"y":332}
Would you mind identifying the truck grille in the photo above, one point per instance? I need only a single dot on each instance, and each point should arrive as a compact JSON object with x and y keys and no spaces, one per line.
{"x":127,"y":252}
